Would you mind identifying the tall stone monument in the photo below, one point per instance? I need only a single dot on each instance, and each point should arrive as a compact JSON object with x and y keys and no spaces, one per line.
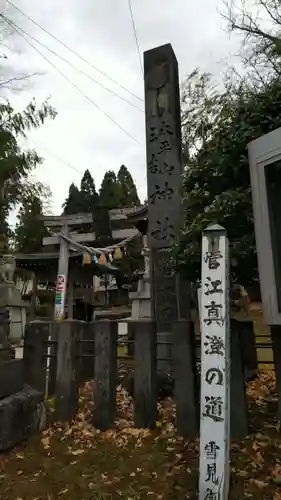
{"x":164,"y":169}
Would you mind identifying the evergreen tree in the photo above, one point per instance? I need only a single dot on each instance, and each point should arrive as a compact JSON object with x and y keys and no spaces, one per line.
{"x":15,"y":163}
{"x":73,"y":203}
{"x":128,"y":196}
{"x":30,"y":229}
{"x":109,"y":195}
{"x":88,"y":192}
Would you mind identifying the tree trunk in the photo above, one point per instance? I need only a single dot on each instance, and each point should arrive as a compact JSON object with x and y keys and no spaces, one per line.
{"x":3,"y":222}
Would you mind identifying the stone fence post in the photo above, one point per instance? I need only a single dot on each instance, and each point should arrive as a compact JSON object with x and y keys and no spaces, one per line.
{"x":145,"y":379}
{"x":35,"y":354}
{"x":67,"y":381}
{"x":106,"y":335}
{"x":185,"y":376}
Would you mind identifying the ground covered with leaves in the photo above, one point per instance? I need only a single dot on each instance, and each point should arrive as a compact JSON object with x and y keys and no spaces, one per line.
{"x":78,"y":462}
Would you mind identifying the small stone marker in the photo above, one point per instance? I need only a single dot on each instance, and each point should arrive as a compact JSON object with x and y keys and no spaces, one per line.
{"x":215,"y":367}
{"x":106,"y":335}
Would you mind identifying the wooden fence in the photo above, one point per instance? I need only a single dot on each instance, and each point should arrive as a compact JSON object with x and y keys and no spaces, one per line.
{"x":60,"y":356}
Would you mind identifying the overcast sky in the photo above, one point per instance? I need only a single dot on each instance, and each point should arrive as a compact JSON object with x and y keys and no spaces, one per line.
{"x":102,"y":33}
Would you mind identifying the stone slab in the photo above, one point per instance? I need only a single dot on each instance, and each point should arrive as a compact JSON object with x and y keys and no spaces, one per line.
{"x":21,"y":415}
{"x":11,"y":377}
{"x":106,"y":334}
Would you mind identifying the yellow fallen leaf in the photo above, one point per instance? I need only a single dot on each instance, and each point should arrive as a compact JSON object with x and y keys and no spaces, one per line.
{"x":258,"y":483}
{"x":46,"y":442}
{"x":242,"y":473}
{"x":63,"y":491}
{"x":77,"y":452}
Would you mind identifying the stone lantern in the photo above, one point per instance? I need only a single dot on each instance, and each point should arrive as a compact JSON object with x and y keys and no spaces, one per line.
{"x":141,"y":299}
{"x":10,"y":299}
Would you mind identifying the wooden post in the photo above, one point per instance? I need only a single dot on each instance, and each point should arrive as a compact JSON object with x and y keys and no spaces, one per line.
{"x":87,"y":351}
{"x":35,"y":354}
{"x":52,"y":361}
{"x":33,"y":298}
{"x":186,"y":388}
{"x":215,"y":366}
{"x":70,"y":299}
{"x":131,"y":338}
{"x":61,"y":283}
{"x":106,"y":334}
{"x":238,"y":403}
{"x":67,"y":380}
{"x":145,"y":398}
{"x":276,"y":347}
{"x":248,"y":345}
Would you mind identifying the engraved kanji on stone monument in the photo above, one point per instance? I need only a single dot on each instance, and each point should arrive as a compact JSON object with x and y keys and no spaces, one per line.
{"x":215,"y":366}
{"x":163,"y":143}
{"x":164,"y":169}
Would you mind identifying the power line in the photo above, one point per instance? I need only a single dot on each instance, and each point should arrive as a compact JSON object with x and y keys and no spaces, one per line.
{"x":74,"y":51}
{"x":19,"y":30}
{"x":77,"y":69}
{"x":57,"y":157}
{"x":136,"y":36}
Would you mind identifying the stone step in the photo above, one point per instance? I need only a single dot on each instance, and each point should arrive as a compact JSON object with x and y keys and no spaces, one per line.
{"x":21,"y":415}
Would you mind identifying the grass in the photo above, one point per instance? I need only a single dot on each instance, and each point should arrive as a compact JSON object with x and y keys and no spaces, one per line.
{"x":78,"y":462}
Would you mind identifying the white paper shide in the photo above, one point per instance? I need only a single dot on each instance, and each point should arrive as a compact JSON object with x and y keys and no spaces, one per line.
{"x":215,"y":367}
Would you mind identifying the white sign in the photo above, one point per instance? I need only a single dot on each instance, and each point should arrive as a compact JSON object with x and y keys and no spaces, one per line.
{"x":60,"y":296}
{"x":60,"y":283}
{"x":215,"y":367}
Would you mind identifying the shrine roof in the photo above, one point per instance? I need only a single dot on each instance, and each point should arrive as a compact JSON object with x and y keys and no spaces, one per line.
{"x":137,"y":213}
{"x":44,"y":258}
{"x":37,"y":256}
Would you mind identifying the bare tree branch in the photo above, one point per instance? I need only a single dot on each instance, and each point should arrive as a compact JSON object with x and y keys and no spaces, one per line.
{"x":274,"y":16}
{"x":19,"y":78}
{"x":260,"y":24}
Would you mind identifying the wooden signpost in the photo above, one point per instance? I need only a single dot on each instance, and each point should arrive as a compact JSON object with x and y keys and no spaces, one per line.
{"x":215,"y":367}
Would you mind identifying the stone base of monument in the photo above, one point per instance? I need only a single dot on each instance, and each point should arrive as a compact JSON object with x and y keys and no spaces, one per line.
{"x":7,"y":354}
{"x":141,"y":300}
{"x":21,"y":415}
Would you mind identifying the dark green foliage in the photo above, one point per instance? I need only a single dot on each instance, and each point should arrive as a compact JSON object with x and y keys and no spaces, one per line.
{"x":115,"y":192}
{"x":89,"y":196}
{"x":16,"y":164}
{"x":217,"y":127}
{"x":216,"y":181}
{"x":73,"y":203}
{"x":128,"y":191}
{"x":109,"y":195}
{"x":30,"y":228}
